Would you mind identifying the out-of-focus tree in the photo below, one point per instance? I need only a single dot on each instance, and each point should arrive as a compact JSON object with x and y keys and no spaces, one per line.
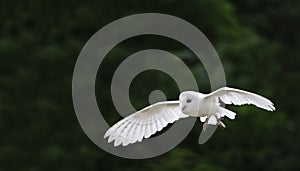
{"x":258,"y":43}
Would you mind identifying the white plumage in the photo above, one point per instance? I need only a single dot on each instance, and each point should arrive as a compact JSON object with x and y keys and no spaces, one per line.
{"x":146,"y":122}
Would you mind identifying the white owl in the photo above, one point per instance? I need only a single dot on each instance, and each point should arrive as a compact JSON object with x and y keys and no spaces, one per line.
{"x":148,"y":121}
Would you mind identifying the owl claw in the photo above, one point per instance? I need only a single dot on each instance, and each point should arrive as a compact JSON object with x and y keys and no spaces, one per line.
{"x":221,"y":124}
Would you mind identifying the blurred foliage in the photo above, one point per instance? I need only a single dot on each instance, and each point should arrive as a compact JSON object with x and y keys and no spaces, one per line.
{"x":259,"y":45}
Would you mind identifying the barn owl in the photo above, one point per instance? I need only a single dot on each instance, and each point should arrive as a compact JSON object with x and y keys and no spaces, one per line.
{"x":146,"y":122}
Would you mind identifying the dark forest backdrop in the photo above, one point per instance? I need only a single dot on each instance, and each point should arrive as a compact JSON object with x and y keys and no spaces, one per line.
{"x":257,"y":41}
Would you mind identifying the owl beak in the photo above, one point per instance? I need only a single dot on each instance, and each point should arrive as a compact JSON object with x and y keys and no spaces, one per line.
{"x":183,"y":108}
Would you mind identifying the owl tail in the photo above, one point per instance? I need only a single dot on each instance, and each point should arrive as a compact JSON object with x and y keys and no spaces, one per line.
{"x":216,"y":119}
{"x":225,"y":112}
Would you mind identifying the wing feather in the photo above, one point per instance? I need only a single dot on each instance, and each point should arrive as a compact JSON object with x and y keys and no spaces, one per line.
{"x":241,"y":97}
{"x":144,"y":123}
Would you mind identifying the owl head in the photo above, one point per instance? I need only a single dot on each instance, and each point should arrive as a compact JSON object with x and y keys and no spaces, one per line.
{"x":188,"y":102}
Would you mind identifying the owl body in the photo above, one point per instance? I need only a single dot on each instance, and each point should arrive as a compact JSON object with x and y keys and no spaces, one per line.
{"x":196,"y":104}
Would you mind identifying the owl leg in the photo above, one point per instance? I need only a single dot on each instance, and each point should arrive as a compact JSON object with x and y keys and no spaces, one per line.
{"x":205,"y":125}
{"x":219,"y":120}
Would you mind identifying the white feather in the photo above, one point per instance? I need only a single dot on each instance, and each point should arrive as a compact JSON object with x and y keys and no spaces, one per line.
{"x":212,"y":120}
{"x":144,"y":123}
{"x":240,"y":97}
{"x":203,"y":119}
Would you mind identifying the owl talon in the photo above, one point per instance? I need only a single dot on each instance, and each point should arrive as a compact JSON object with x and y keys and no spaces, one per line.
{"x":221,"y":124}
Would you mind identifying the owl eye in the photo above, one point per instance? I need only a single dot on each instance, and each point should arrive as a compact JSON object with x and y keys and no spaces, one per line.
{"x":189,"y":101}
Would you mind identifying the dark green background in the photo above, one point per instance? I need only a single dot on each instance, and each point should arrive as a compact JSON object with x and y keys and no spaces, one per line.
{"x":257,"y":41}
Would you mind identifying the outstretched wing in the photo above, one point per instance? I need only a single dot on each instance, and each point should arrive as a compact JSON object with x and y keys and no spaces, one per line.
{"x":144,"y":123}
{"x":240,"y":97}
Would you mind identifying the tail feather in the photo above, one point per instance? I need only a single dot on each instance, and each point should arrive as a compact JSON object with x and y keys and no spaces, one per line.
{"x":225,"y":112}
